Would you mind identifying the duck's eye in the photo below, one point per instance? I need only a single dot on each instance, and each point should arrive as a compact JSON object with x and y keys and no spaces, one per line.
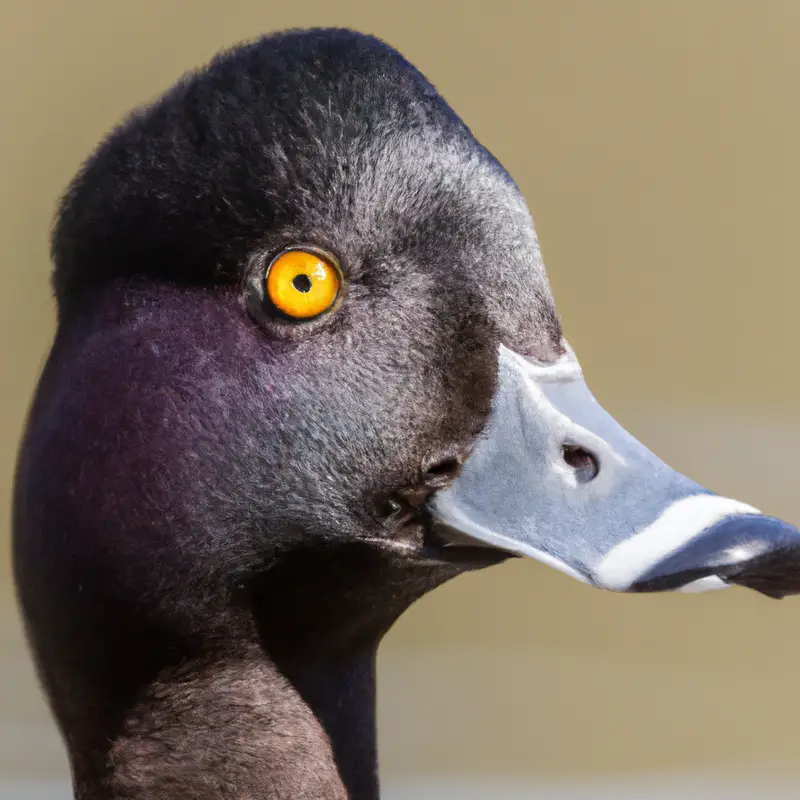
{"x":302,"y":284}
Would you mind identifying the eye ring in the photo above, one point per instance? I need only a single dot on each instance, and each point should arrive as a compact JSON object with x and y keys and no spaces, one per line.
{"x":301,"y":283}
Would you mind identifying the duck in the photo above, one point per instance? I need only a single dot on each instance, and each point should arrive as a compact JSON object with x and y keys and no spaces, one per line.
{"x":308,"y":367}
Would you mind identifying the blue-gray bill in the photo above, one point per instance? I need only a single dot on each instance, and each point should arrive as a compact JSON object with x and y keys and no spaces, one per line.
{"x":555,"y":477}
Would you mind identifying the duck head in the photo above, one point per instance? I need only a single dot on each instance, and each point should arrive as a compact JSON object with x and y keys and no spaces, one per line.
{"x":308,"y":366}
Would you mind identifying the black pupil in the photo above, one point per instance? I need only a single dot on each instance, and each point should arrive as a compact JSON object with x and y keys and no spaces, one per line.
{"x":302,"y":283}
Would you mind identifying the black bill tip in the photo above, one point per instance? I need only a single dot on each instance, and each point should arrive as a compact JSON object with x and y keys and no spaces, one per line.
{"x":750,"y":550}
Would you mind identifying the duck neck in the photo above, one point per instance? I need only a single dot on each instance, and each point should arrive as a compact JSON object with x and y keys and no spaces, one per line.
{"x":276,"y":700}
{"x":246,"y":727}
{"x":341,"y":695}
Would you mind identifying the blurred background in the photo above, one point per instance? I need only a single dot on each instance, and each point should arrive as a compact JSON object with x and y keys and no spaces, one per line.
{"x":657,"y":144}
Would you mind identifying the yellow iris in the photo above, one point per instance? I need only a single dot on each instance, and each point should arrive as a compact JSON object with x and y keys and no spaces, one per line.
{"x":302,"y":284}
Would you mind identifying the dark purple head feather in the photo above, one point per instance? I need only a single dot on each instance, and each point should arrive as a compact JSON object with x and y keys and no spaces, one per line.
{"x":208,"y":496}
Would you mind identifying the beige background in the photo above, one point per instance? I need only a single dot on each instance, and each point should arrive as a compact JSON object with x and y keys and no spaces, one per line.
{"x":658,"y":144}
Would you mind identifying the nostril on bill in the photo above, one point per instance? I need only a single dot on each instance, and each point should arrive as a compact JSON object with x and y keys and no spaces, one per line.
{"x":581,"y":461}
